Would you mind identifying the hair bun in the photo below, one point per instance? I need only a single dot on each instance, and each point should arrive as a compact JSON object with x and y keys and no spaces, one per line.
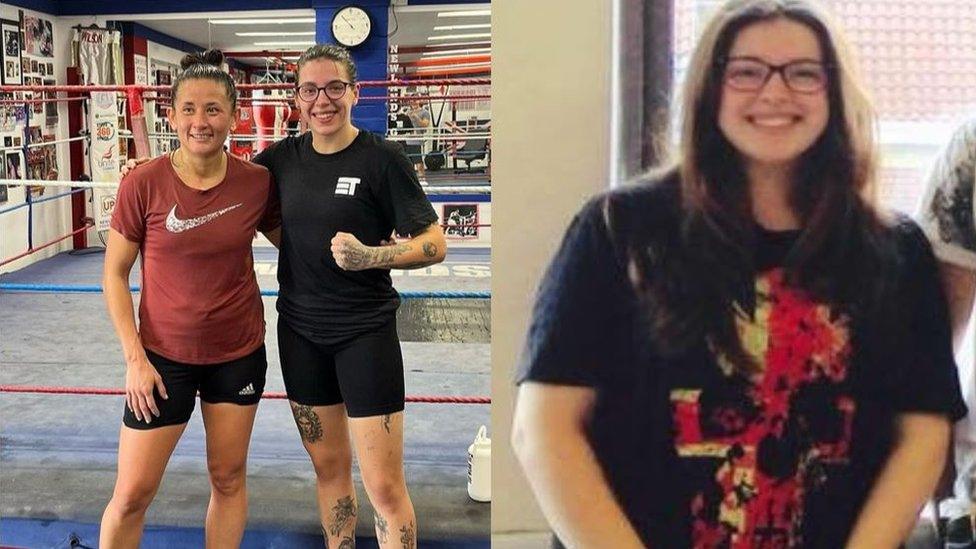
{"x":209,"y":57}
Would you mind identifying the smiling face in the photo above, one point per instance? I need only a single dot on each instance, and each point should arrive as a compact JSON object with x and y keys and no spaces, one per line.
{"x":774,"y":125}
{"x":202,"y":116}
{"x":326,"y":117}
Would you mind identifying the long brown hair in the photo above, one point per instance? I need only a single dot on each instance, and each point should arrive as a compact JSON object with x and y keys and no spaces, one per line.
{"x":840,"y":251}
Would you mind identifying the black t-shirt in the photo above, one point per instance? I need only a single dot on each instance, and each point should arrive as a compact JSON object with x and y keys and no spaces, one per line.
{"x":367,"y":189}
{"x":701,"y":456}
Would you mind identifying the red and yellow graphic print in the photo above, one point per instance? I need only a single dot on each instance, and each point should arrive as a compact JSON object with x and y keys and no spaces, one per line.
{"x":757,"y":446}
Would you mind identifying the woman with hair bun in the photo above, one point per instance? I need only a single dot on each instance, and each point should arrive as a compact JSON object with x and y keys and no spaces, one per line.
{"x":192,"y":215}
{"x":743,"y":350}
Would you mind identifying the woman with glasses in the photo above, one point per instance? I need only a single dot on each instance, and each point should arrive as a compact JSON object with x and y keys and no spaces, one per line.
{"x":343,"y":192}
{"x":743,"y":350}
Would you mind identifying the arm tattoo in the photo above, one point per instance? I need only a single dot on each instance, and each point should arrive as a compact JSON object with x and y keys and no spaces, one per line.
{"x":308,"y":422}
{"x":358,"y":257}
{"x":385,"y":256}
{"x":407,"y":538}
{"x":386,"y":423}
{"x":347,"y":543}
{"x":343,"y":511}
{"x":382,"y":532}
{"x":430,"y":251}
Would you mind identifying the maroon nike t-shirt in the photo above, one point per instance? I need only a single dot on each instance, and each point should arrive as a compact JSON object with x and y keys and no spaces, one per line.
{"x":200,"y":301}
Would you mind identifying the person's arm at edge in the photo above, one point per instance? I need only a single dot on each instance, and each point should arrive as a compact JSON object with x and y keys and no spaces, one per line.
{"x":906,"y":482}
{"x":549,"y":439}
{"x":141,"y":376}
{"x":960,"y":289}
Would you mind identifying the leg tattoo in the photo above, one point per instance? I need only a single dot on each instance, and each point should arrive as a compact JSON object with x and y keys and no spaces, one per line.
{"x":308,"y":422}
{"x":348,"y":543}
{"x":342,"y":513}
{"x":386,"y":422}
{"x":407,"y":537}
{"x":325,"y":535}
{"x":382,"y":534}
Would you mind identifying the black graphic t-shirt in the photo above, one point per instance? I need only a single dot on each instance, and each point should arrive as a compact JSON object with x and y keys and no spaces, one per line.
{"x":367,"y":189}
{"x":699,"y":455}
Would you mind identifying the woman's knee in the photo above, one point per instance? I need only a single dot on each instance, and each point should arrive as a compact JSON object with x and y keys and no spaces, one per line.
{"x":227,"y":479}
{"x":387,"y":492}
{"x":133,"y":499}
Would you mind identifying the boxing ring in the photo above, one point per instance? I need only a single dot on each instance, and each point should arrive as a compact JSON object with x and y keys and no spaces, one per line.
{"x":61,"y":371}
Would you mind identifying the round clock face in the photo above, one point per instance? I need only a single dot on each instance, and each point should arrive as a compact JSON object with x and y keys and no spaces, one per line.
{"x":351,"y":26}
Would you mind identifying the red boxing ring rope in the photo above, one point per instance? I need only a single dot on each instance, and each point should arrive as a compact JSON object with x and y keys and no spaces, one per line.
{"x":46,"y":244}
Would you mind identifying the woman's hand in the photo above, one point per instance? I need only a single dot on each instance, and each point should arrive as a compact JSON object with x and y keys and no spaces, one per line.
{"x":131,"y":164}
{"x":141,"y":378}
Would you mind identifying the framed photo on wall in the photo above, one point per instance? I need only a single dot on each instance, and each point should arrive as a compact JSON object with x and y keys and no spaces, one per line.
{"x":11,"y":49}
{"x":3,"y":175}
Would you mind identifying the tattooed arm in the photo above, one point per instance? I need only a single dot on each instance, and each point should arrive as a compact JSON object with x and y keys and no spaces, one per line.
{"x":906,"y":481}
{"x":425,"y":248}
{"x":550,"y":443}
{"x":960,"y":288}
{"x":946,"y":215}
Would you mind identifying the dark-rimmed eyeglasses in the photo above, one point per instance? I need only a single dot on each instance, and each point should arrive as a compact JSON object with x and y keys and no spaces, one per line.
{"x":333,"y":90}
{"x":751,"y":74}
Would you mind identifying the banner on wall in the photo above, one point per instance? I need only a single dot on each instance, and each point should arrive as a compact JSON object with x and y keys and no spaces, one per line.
{"x":98,"y":52}
{"x":141,"y":68}
{"x":103,"y":120}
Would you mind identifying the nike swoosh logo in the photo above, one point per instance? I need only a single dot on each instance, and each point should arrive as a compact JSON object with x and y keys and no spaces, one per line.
{"x":177,"y":225}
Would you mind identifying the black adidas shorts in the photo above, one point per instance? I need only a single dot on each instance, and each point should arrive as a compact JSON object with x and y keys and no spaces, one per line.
{"x":239,"y":381}
{"x":366,"y":373}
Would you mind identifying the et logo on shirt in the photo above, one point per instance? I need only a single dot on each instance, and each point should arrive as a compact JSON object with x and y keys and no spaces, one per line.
{"x":346,"y":186}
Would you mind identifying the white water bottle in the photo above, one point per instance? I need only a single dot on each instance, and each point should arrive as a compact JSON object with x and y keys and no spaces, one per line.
{"x":479,"y":467}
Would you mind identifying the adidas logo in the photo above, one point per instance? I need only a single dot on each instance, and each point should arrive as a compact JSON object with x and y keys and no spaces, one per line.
{"x":249,"y":390}
{"x":347,"y":185}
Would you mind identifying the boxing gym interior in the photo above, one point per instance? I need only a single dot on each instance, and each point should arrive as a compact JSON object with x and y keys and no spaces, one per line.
{"x":86,"y":87}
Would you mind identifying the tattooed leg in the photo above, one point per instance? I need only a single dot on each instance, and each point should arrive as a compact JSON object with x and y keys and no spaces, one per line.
{"x":309,"y":424}
{"x":325,"y":434}
{"x":382,"y":529}
{"x":379,"y":446}
{"x":343,"y":513}
{"x":341,"y":524}
{"x":408,"y":537}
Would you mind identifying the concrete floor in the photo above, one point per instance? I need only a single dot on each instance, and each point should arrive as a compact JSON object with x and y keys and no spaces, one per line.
{"x":58,"y":452}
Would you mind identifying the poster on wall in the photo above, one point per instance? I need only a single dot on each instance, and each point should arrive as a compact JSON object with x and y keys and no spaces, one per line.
{"x":460,"y":220}
{"x":35,"y":161}
{"x":39,"y":35}
{"x":3,"y":175}
{"x":141,"y":68}
{"x":50,"y":159}
{"x":8,"y":112}
{"x":51,"y":107}
{"x":10,"y":36}
{"x":38,"y":107}
{"x":13,"y":165}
